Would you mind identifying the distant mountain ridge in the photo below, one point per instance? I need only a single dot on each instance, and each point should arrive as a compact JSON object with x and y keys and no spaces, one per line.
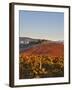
{"x":27,"y":39}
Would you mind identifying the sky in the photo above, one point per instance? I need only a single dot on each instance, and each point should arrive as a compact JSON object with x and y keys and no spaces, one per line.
{"x":41,"y":25}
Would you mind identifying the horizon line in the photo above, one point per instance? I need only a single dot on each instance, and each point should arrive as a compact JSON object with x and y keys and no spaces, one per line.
{"x":43,"y":38}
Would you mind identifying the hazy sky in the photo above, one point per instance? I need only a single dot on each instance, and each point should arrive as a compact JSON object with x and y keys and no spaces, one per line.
{"x":41,"y":25}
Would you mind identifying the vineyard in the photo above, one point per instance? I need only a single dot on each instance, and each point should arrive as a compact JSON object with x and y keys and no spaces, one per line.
{"x":40,"y":66}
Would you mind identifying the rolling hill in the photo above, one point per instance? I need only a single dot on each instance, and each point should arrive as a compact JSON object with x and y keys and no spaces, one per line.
{"x":48,"y":49}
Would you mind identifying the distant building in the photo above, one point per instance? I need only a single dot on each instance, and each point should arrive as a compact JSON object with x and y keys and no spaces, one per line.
{"x":24,"y":42}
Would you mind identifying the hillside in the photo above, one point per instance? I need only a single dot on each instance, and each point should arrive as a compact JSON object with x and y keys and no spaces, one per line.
{"x":48,"y":49}
{"x":26,"y":43}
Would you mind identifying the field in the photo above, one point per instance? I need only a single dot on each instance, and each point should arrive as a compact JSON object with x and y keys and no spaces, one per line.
{"x":42,"y":60}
